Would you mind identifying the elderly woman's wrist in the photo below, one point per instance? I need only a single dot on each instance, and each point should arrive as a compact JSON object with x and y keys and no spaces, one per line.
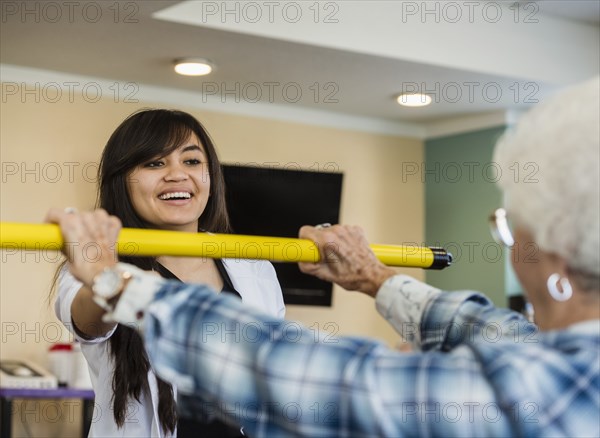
{"x":378,"y":277}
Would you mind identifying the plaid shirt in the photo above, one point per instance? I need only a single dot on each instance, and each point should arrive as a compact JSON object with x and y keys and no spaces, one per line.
{"x":477,"y":370}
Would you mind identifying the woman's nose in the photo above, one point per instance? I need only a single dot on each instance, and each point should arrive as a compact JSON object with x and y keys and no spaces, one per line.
{"x":175,"y":172}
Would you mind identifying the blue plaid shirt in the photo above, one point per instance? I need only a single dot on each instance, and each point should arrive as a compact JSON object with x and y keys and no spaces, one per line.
{"x":477,"y":370}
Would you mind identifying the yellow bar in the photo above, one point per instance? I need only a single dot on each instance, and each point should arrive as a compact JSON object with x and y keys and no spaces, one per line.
{"x":143,"y":242}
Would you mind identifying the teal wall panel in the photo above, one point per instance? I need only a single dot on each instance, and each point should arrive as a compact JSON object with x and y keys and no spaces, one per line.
{"x":460,"y":194}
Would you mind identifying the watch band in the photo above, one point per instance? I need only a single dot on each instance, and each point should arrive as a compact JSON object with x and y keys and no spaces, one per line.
{"x":135,"y":296}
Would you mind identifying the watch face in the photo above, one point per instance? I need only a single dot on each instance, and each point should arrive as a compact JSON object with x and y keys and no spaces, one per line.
{"x":107,"y":283}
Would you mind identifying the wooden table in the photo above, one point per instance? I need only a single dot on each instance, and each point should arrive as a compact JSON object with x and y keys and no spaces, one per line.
{"x":7,"y":395}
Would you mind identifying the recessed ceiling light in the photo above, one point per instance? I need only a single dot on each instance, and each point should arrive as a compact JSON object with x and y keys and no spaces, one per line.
{"x":193,"y":66}
{"x":414,"y":99}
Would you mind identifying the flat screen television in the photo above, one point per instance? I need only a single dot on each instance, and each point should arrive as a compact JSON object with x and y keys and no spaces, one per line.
{"x":267,"y":201}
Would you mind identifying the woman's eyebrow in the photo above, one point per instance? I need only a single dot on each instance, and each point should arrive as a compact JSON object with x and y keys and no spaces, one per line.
{"x":192,"y":147}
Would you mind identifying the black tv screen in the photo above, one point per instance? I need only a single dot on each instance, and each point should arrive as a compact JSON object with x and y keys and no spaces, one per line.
{"x":266,"y":201}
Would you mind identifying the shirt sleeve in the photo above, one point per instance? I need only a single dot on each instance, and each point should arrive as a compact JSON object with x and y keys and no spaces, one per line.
{"x":453,"y":319}
{"x":68,"y":287}
{"x":434,"y":320}
{"x":277,"y":378}
{"x":402,"y":300}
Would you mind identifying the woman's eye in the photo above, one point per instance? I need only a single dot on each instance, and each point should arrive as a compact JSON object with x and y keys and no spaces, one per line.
{"x":154,"y":164}
{"x":193,"y":162}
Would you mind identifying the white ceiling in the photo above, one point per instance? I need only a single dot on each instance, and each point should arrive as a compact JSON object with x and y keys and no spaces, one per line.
{"x":587,"y":11}
{"x":475,"y":58}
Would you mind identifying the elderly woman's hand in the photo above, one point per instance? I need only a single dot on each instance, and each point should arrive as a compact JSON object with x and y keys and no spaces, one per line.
{"x":346,"y":258}
{"x":89,"y":240}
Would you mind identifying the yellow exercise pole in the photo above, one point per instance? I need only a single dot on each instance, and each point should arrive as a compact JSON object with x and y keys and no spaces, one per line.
{"x":143,"y":242}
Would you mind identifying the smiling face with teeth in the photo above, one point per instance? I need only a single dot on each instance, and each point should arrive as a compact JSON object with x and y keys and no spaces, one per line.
{"x":171,"y":192}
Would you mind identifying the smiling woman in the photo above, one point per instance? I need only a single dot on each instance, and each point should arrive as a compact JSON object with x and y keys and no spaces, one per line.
{"x":159,"y":170}
{"x":170,"y":191}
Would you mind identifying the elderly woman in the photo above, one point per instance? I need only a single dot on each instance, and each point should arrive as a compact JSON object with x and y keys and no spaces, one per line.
{"x":476,"y":370}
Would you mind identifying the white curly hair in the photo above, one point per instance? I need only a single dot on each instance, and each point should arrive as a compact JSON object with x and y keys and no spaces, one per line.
{"x":556,"y":193}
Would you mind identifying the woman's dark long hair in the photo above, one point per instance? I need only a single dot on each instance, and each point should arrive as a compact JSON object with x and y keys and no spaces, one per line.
{"x":144,"y":135}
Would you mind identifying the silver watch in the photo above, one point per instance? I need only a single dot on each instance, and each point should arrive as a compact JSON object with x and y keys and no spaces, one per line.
{"x":109,"y":283}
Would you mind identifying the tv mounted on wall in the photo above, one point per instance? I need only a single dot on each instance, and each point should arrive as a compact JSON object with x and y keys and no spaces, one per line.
{"x":267,"y":201}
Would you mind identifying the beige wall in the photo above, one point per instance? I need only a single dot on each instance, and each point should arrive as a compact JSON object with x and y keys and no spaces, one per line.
{"x":49,"y":154}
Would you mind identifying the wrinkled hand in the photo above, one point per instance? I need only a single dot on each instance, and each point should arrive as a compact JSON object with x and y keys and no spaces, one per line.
{"x":89,"y":241}
{"x":346,"y":258}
